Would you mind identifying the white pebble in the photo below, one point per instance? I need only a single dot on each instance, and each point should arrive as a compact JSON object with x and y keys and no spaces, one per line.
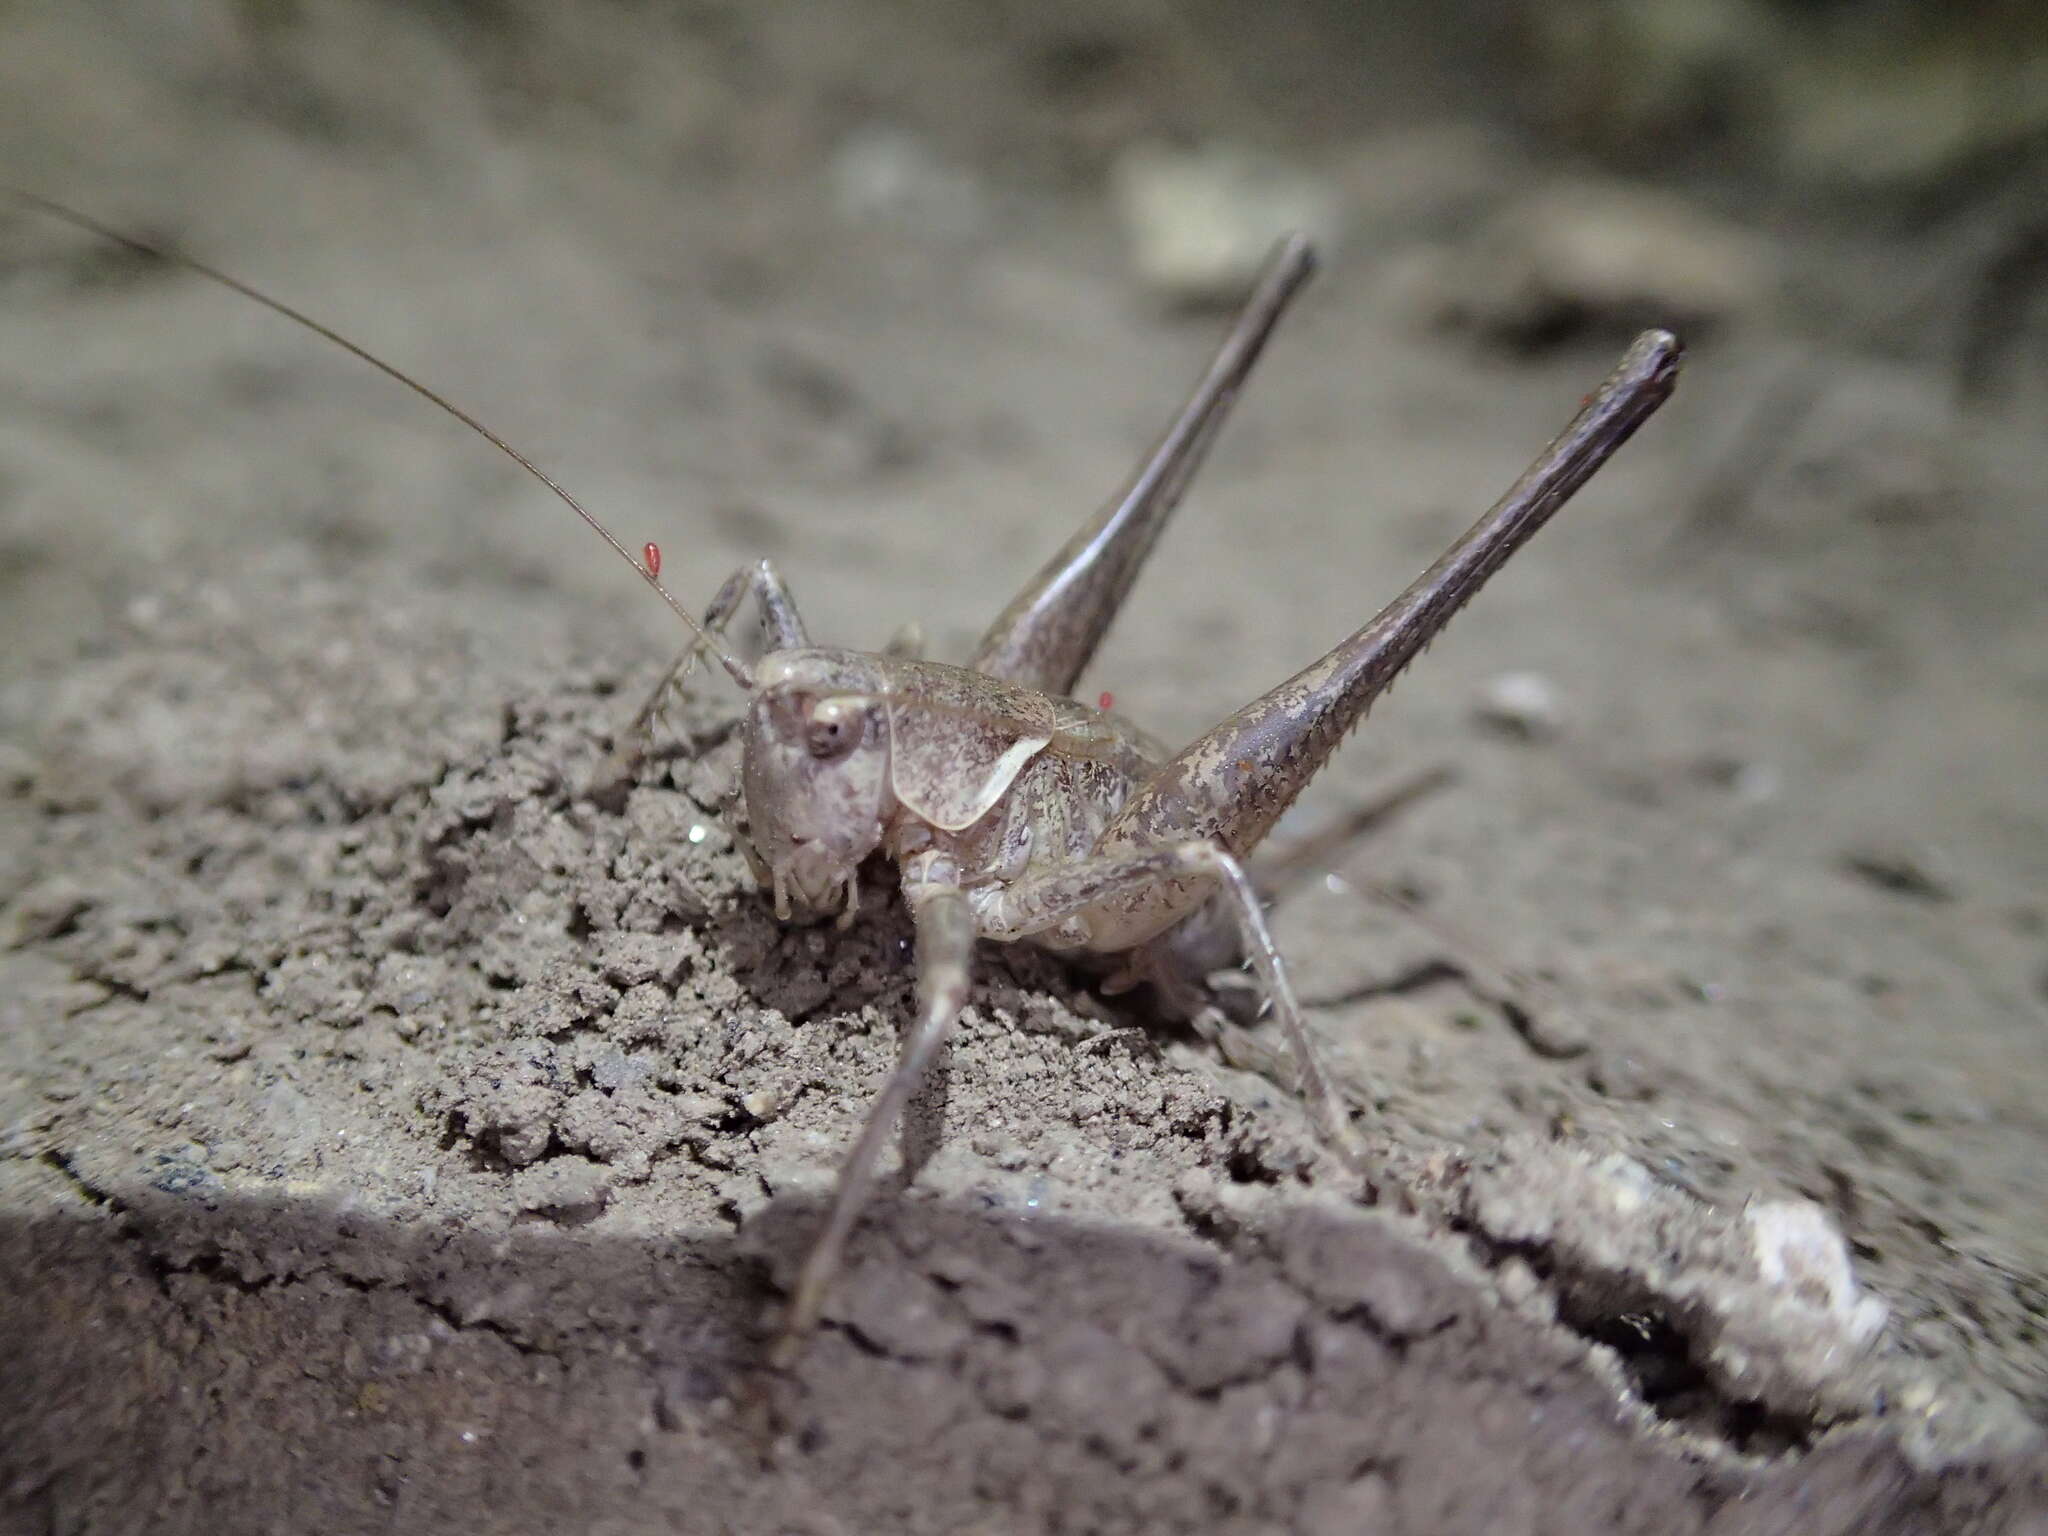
{"x":1525,"y":703}
{"x":1200,"y":221}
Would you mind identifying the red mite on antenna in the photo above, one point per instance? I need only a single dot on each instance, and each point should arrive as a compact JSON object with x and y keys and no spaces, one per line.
{"x":1107,"y":701}
{"x":652,"y":551}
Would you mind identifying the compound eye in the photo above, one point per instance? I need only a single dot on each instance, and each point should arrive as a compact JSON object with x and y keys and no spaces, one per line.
{"x":834,"y":728}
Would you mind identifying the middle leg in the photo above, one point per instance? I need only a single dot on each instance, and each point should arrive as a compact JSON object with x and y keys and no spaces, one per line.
{"x":1149,"y":889}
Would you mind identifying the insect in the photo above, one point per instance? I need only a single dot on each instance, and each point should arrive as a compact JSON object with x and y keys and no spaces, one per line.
{"x":1013,"y":811}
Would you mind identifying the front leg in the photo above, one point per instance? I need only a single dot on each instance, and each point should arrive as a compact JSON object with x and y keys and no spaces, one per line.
{"x":945,"y":945}
{"x":781,"y":625}
{"x":1118,"y":900}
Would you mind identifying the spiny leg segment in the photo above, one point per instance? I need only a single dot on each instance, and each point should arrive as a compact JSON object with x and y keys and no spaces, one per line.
{"x":1234,"y":782}
{"x":1050,"y":630}
{"x":945,"y":946}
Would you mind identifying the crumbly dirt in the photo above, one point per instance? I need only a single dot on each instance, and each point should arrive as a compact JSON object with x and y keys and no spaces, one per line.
{"x":403,"y":1127}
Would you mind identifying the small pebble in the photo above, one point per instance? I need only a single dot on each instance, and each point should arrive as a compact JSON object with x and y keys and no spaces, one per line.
{"x":1909,"y":872}
{"x":1200,"y":221}
{"x":1523,"y":704}
{"x":887,"y":176}
{"x":565,"y":1188}
{"x":1579,"y":255}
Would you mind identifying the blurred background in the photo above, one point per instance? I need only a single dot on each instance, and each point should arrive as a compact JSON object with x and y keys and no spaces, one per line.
{"x":895,"y":292}
{"x":1747,"y":747}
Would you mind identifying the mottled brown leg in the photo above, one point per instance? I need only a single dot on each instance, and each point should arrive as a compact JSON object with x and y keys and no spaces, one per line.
{"x":1237,"y":780}
{"x":945,"y":946}
{"x":1156,"y":884}
{"x":1050,"y":630}
{"x":907,"y":643}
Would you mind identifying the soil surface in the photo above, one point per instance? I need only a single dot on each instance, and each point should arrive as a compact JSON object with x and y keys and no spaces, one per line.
{"x":399,"y":1131}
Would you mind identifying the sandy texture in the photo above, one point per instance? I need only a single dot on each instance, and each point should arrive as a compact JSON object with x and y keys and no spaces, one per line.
{"x":394,"y":1135}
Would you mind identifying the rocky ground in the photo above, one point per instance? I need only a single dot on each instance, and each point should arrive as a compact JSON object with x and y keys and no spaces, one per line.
{"x":396,"y":1135}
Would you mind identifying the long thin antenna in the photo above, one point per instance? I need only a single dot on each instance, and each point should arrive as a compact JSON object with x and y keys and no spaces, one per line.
{"x":735,"y":668}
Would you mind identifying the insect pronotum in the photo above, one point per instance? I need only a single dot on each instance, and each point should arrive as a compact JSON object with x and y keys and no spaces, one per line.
{"x":1015,"y":812}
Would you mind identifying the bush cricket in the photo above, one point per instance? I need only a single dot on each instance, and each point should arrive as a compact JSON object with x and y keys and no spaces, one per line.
{"x":1015,"y":812}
